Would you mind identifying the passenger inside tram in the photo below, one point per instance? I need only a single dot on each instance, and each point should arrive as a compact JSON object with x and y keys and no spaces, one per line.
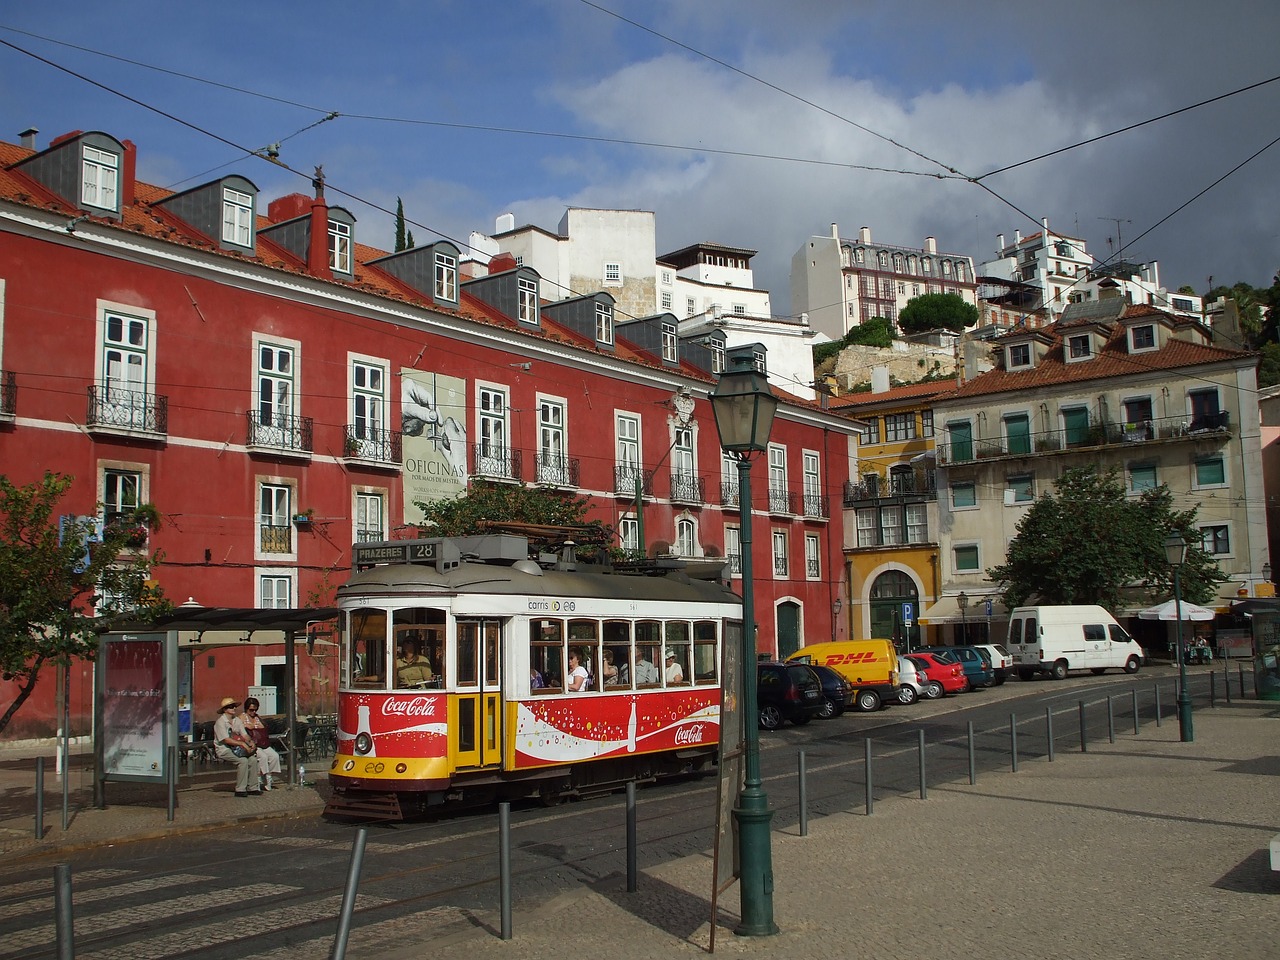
{"x":412,"y":669}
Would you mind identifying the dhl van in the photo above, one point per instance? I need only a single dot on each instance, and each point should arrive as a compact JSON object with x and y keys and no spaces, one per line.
{"x":870,"y":665}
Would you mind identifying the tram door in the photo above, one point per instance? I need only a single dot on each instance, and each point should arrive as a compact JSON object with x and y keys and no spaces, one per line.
{"x":476,"y":707}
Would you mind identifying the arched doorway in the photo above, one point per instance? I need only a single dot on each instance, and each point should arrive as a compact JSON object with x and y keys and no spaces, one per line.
{"x":889,"y":592}
{"x":788,"y":619}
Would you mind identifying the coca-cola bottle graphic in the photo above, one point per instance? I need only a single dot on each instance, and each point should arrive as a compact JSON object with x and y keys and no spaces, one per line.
{"x":364,"y":733}
{"x":631,"y":729}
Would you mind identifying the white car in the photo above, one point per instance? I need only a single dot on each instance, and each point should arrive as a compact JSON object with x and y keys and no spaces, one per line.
{"x":912,"y":685}
{"x":1001,"y":660}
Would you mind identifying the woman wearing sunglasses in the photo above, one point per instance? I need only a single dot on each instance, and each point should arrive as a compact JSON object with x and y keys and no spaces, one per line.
{"x":256,"y":730}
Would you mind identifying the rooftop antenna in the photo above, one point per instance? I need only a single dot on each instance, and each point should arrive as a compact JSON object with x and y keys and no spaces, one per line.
{"x":1117,"y":221}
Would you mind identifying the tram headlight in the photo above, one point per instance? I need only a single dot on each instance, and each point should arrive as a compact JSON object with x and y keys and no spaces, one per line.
{"x":364,"y":743}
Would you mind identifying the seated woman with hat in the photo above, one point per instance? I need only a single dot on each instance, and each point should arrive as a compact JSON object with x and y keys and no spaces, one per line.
{"x":233,"y":744}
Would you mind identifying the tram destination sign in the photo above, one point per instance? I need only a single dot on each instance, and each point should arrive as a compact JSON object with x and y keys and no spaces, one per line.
{"x":437,"y":552}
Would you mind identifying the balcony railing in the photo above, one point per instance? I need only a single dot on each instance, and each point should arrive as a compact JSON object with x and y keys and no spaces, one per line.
{"x":275,"y":538}
{"x":372,"y":444}
{"x":496,"y":462}
{"x":557,"y":471}
{"x":729,"y":492}
{"x":687,"y":488}
{"x":782,"y":501}
{"x":917,"y":483}
{"x":369,"y":536}
{"x":8,"y":394}
{"x":779,"y":566}
{"x":281,"y":433}
{"x":1100,"y":434}
{"x":127,"y":410}
{"x":815,"y":505}
{"x":625,"y":476}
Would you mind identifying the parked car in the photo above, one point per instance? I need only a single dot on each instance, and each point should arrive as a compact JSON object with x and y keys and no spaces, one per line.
{"x":944,"y":673}
{"x":787,"y":691}
{"x":837,"y":692}
{"x":1001,"y":660}
{"x":912,"y":682}
{"x":976,"y":663}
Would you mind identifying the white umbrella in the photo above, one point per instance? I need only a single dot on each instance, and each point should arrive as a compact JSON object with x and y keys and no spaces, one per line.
{"x":1169,"y":611}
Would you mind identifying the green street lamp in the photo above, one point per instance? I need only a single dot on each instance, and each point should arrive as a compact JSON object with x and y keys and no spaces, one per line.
{"x":962,"y":602}
{"x":1175,"y":551}
{"x":744,"y":407}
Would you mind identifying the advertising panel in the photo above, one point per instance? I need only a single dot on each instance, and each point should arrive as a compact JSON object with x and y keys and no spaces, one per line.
{"x":433,"y":420}
{"x":132,"y":668}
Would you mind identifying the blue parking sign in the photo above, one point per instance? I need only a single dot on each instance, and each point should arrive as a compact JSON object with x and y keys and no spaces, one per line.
{"x":988,"y":606}
{"x":908,"y":614}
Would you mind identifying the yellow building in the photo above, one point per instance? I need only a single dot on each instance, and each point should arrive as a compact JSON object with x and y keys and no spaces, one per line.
{"x":891,"y":513}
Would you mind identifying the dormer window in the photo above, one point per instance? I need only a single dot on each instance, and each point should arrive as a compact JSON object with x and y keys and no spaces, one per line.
{"x":859,"y":255}
{"x":883,"y":260}
{"x":527,"y":303}
{"x":237,"y":217}
{"x":1079,"y":347}
{"x":446,"y":278}
{"x":717,"y":356}
{"x":339,"y":247}
{"x":1142,"y":338}
{"x":946,"y":268}
{"x":1019,"y":355}
{"x":101,"y":176}
{"x":926,"y":266}
{"x":604,"y":323}
{"x":669,"y":352}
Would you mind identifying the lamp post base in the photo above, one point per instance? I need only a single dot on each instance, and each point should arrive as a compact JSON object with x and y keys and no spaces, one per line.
{"x":1186,"y":728}
{"x":756,"y":863}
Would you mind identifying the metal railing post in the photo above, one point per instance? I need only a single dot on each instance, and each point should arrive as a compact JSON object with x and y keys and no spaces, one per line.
{"x":924,"y":785}
{"x":349,"y":894}
{"x":1013,"y":741}
{"x":1048,"y":727}
{"x":973,"y":764}
{"x":866,"y":755}
{"x":804,"y":795}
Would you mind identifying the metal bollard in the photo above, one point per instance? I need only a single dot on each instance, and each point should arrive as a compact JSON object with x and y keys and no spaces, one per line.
{"x":504,"y":866}
{"x":349,"y":894}
{"x":871,"y":800}
{"x":632,"y":845}
{"x":1226,"y":682}
{"x":1048,"y":729}
{"x":924,"y":786}
{"x":1156,"y":687}
{"x":39,"y":798}
{"x":973,"y":765}
{"x":171,"y":781}
{"x":64,"y":922}
{"x":1084,"y":738}
{"x":804,"y":796}
{"x":1111,"y":720}
{"x":1242,"y":681}
{"x":1213,"y":690}
{"x":1013,"y":740}
{"x":1135,"y":711}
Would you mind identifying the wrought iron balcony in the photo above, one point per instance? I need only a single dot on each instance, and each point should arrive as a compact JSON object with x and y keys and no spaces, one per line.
{"x":275,"y":538}
{"x":557,"y":471}
{"x":729,"y":492}
{"x":369,"y":536}
{"x":8,"y":395}
{"x":625,"y":477}
{"x":1098,"y":434}
{"x":275,"y":432}
{"x":782,"y":501}
{"x":372,"y":444}
{"x":127,"y":411}
{"x":495,"y":462}
{"x":687,"y":488}
{"x":815,"y":505}
{"x":918,"y":483}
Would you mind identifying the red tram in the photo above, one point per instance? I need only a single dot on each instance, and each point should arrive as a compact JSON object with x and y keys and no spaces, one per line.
{"x":470,"y":671}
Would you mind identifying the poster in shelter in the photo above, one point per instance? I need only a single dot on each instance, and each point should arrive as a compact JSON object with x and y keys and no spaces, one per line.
{"x":433,"y":421}
{"x":133,"y":705}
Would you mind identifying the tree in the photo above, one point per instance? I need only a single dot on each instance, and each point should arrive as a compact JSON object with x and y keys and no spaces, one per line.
{"x":937,"y":311}
{"x":1248,"y":303}
{"x":487,"y":503}
{"x":55,"y":571}
{"x":400,"y":237}
{"x":876,"y":332}
{"x":1089,"y":542}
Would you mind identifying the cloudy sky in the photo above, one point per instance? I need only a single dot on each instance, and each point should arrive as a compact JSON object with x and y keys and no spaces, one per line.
{"x":754,"y":123}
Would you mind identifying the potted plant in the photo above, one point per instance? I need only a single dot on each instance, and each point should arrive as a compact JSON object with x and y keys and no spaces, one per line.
{"x":303,"y":519}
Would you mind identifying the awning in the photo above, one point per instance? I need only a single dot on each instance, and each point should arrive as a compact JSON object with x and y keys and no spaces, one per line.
{"x":1170,"y":609}
{"x":947,"y":610}
{"x":236,"y":622}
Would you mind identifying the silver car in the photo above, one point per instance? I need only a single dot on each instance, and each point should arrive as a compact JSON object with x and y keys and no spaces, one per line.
{"x":912,"y":685}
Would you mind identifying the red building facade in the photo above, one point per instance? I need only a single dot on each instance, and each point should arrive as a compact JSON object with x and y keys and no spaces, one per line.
{"x":278,"y":391}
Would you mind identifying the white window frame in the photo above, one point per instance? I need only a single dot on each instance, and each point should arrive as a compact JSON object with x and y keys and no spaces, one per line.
{"x":116,"y":501}
{"x":1133,"y":342}
{"x":955,"y":485}
{"x":369,"y":400}
{"x":280,"y":403}
{"x":670,"y":346}
{"x":100,"y":178}
{"x":629,"y":534}
{"x":339,"y":246}
{"x":527,"y":300}
{"x":1017,"y":360}
{"x":446,"y":277}
{"x":686,"y":541}
{"x":811,"y":483}
{"x":612,"y":273}
{"x":604,"y":322}
{"x":1017,"y":500}
{"x":690,"y":307}
{"x":812,"y":557}
{"x":553,"y":441}
{"x":1069,"y":348}
{"x":966,"y":545}
{"x":627,"y":451}
{"x":684,"y":461}
{"x":666,"y":300}
{"x":779,"y":549}
{"x":1195,"y":473}
{"x":917,"y":522}
{"x":733,"y":549}
{"x":237,"y":217}
{"x":275,"y":507}
{"x":275,"y":578}
{"x":368,"y":514}
{"x":493,"y":430}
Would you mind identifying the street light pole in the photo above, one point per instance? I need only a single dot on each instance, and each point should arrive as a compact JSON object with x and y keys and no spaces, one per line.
{"x":1175,"y":548}
{"x":962,"y":602}
{"x":744,"y":407}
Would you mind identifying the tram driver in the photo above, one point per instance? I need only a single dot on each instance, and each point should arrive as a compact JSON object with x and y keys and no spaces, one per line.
{"x":412,"y":669}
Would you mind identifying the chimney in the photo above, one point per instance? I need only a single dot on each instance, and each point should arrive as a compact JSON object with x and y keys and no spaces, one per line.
{"x":1017,"y":237}
{"x":318,"y":250}
{"x":29,"y":137}
{"x":501,"y":263}
{"x":129,"y":175}
{"x":288,"y":207}
{"x":505,"y":223}
{"x":835,"y":232}
{"x":931,"y":245}
{"x":880,"y":379}
{"x":864,"y":234}
{"x":1000,"y":244}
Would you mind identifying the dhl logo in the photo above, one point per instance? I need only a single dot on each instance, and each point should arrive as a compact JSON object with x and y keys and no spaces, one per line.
{"x":835,"y":659}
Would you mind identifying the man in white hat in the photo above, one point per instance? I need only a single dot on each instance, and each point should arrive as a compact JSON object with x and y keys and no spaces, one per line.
{"x":674,"y":672}
{"x":234,"y":745}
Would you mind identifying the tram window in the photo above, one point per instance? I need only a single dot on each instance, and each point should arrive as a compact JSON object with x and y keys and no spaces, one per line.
{"x":467,"y":647}
{"x":585,"y":636}
{"x":418,"y":634}
{"x":648,"y":653}
{"x":546,"y":655}
{"x":368,"y":648}
{"x":492,"y":635}
{"x":617,"y":642}
{"x":704,"y":652}
{"x":675,"y":658}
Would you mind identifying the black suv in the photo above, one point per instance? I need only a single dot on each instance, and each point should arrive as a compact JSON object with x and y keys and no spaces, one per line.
{"x":787,"y":691}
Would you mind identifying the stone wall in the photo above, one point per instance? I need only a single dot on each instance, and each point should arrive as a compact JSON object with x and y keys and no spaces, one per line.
{"x":907,"y":363}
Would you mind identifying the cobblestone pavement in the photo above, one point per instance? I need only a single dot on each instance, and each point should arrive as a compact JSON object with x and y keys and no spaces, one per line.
{"x":1146,"y":848}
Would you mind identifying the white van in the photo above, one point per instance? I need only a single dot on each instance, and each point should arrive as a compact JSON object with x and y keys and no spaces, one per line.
{"x":1054,"y":640}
